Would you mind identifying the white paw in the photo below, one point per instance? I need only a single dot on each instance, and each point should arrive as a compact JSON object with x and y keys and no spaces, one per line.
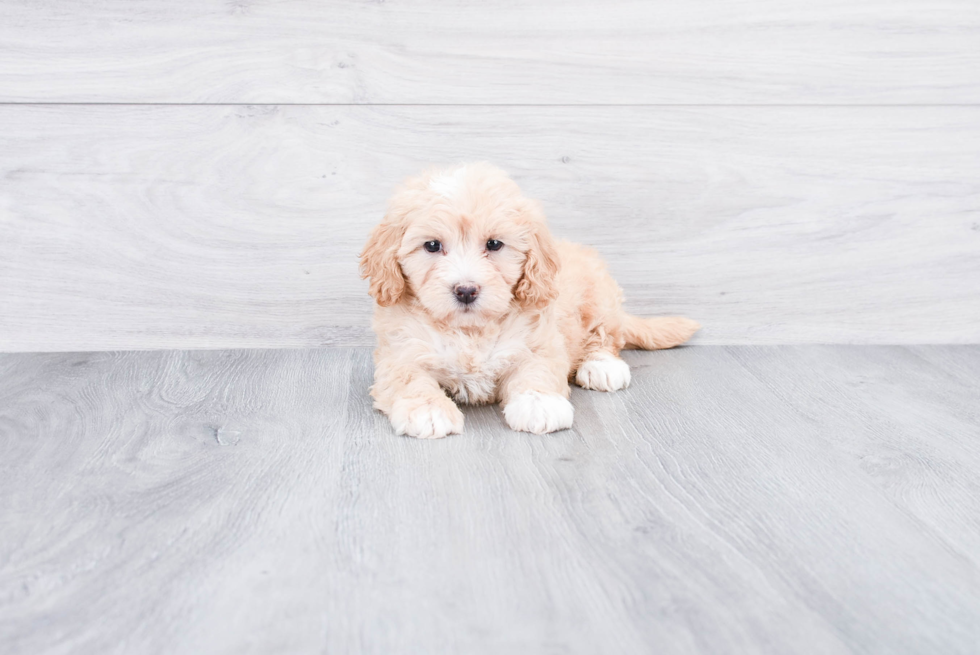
{"x":533,"y":411}
{"x":426,"y":418}
{"x":607,"y":373}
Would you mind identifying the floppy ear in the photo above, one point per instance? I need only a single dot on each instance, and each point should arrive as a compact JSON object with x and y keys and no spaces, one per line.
{"x":539,"y":285}
{"x":380,"y":263}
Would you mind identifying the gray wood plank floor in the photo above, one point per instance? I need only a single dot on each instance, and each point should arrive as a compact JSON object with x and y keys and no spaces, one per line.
{"x":796,"y":499}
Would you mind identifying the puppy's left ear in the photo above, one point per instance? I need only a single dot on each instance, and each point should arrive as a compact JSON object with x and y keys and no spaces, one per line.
{"x":539,"y":284}
{"x":379,"y":261}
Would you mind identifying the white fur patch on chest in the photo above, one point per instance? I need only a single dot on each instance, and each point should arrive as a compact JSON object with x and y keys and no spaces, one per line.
{"x":470,"y":367}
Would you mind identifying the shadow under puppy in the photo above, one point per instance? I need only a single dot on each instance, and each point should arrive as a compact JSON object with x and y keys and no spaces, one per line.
{"x":477,"y":301}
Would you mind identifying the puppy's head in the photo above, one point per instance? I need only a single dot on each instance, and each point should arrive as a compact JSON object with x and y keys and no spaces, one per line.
{"x":465,"y":244}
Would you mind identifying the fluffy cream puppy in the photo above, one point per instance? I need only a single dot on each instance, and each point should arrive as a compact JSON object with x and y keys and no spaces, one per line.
{"x":476,"y":303}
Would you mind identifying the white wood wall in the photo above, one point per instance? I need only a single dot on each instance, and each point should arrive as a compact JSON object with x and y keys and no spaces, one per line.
{"x":204,"y":174}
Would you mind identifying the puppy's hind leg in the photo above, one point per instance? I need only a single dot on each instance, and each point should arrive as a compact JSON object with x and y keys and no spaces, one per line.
{"x":603,"y":371}
{"x":601,"y":368}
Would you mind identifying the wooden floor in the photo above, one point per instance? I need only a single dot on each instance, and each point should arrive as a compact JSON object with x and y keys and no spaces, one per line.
{"x":803,"y":499}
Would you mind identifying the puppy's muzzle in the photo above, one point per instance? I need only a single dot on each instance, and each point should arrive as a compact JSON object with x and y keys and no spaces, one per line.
{"x":466,"y":293}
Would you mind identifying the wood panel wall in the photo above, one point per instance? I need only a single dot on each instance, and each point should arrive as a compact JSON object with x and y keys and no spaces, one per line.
{"x":204,"y":175}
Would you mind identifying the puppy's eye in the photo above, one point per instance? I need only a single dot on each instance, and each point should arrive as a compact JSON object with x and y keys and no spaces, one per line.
{"x":493,"y":244}
{"x":433,"y":246}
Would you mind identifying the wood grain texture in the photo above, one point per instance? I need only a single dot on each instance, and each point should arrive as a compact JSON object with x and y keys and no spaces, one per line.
{"x":492,"y":52}
{"x":211,"y":227}
{"x":732,"y":500}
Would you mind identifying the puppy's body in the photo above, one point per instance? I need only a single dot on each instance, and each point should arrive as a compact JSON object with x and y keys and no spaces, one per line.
{"x":497,"y":313}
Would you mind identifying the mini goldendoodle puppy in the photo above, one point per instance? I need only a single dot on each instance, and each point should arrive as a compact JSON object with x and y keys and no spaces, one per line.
{"x":477,"y":301}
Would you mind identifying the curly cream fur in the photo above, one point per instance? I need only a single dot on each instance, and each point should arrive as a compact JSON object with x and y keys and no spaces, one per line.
{"x":543,"y":308}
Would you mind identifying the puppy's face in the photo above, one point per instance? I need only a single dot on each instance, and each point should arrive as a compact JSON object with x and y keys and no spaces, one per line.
{"x":465,"y":244}
{"x":462,"y":265}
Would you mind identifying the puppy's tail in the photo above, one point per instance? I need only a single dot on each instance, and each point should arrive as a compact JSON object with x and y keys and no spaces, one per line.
{"x":657,"y":333}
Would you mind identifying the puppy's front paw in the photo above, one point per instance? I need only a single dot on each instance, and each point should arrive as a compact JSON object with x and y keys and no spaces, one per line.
{"x":426,"y":418}
{"x":533,"y":411}
{"x":605,"y":373}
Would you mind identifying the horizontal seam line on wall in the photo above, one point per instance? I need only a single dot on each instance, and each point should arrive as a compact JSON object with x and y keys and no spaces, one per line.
{"x":434,"y":104}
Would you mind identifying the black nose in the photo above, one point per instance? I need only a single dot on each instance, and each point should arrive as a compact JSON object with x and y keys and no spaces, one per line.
{"x":466,"y":293}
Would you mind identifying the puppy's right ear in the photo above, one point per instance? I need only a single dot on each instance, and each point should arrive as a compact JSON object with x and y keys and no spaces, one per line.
{"x":379,"y":261}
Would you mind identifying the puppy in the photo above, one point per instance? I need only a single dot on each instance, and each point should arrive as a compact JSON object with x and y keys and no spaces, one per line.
{"x":476,"y":303}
